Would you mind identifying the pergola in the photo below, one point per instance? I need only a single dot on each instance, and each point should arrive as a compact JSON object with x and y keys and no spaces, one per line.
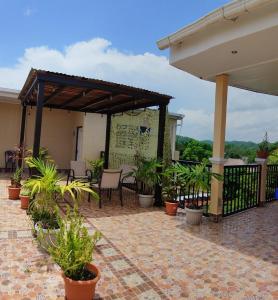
{"x":234,"y":45}
{"x":74,"y":93}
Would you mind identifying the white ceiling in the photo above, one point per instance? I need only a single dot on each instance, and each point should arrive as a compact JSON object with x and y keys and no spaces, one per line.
{"x":253,"y":36}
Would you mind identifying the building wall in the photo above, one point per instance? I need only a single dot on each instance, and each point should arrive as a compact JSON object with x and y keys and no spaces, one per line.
{"x":94,"y":131}
{"x":58,"y":132}
{"x":57,"y":135}
{"x":9,"y":129}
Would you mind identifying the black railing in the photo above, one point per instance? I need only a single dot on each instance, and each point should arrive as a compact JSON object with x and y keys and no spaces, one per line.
{"x":241,"y":188}
{"x":189,"y":194}
{"x":271,"y":182}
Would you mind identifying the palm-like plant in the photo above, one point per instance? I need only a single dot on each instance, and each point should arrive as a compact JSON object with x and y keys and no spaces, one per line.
{"x":48,"y":188}
{"x":196,"y":178}
{"x":146,"y":175}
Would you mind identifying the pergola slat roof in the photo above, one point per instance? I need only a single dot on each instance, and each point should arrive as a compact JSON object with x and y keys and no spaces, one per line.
{"x":75,"y":93}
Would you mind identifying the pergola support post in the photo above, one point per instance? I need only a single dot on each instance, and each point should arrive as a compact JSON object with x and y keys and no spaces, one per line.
{"x":22,"y":134}
{"x":38,"y":122}
{"x":107,"y":141}
{"x":218,"y":160}
{"x":160,"y":147}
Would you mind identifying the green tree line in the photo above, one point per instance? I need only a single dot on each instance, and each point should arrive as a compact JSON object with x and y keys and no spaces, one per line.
{"x":195,"y":150}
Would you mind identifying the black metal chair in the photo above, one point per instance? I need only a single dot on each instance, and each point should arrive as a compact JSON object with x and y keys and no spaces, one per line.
{"x":110,"y":180}
{"x":78,"y":171}
{"x":10,"y":160}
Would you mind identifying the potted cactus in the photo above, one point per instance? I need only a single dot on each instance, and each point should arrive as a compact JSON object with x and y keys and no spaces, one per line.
{"x":14,"y":188}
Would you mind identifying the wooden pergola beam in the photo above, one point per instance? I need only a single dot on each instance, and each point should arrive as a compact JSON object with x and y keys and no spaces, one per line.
{"x":54,"y":94}
{"x":74,"y":98}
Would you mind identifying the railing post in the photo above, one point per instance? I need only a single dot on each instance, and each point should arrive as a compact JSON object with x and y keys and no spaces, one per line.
{"x":263,"y":163}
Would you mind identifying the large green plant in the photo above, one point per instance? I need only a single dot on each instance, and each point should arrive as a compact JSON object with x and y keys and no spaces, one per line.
{"x":48,"y":187}
{"x":146,"y":175}
{"x":195,"y":179}
{"x":73,"y":247}
{"x":96,"y":167}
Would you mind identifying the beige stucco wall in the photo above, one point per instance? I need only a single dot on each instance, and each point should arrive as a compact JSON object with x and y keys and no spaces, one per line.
{"x":58,"y":133}
{"x":10,"y":121}
{"x":94,"y":131}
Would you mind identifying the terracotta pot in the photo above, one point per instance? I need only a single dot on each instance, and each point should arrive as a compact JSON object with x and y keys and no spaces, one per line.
{"x":14,"y":192}
{"x":24,"y":201}
{"x":77,"y":289}
{"x":171,"y":208}
{"x":262,"y":154}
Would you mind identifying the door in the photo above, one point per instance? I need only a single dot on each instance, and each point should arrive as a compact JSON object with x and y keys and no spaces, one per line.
{"x":79,"y":143}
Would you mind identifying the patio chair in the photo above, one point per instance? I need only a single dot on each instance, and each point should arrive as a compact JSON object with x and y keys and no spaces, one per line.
{"x":78,"y":171}
{"x":110,"y":180}
{"x":128,"y":180}
{"x":10,"y":160}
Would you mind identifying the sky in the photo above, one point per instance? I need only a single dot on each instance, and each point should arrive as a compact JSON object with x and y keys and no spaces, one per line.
{"x":115,"y":40}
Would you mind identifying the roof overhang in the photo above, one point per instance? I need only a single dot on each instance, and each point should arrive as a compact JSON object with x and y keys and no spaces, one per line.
{"x":9,"y":96}
{"x":239,"y":39}
{"x":75,"y":93}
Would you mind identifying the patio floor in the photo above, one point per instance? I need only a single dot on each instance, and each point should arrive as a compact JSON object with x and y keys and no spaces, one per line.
{"x":146,"y":254}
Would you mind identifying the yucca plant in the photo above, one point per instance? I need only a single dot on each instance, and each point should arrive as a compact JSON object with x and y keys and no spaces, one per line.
{"x":73,"y":247}
{"x":47,"y":187}
{"x":16,"y":178}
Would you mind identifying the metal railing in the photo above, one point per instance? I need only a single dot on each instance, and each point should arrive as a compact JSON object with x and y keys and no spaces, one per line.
{"x":188,"y":195}
{"x":241,"y":188}
{"x":271,"y":182}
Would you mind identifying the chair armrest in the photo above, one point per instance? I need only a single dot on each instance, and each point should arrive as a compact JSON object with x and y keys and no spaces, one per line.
{"x":89,"y":173}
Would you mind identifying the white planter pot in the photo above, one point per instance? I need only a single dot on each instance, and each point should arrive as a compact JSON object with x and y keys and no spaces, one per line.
{"x":194,"y":216}
{"x":49,"y":236}
{"x":146,"y":200}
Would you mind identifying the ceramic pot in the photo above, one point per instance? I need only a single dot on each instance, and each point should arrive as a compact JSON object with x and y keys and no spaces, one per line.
{"x":77,"y":289}
{"x":24,"y":201}
{"x":49,"y":236}
{"x":171,"y":208}
{"x":262,"y":154}
{"x":194,"y":216}
{"x":146,"y":200}
{"x":14,"y":192}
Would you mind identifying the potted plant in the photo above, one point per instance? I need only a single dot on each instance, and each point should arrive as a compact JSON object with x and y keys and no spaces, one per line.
{"x":146,"y":177}
{"x":263,"y":148}
{"x":196,"y":179}
{"x":96,"y":168}
{"x":47,"y":189}
{"x":14,"y":188}
{"x":73,"y":251}
{"x":24,"y":196}
{"x":170,"y":187}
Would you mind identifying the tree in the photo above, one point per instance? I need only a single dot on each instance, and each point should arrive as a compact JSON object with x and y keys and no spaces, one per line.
{"x":196,"y":151}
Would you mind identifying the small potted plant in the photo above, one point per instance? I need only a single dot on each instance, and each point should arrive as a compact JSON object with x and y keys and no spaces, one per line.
{"x":146,"y":177}
{"x":24,"y":196}
{"x":73,"y":251}
{"x":96,"y":168}
{"x":14,"y":188}
{"x":170,"y":187}
{"x":195,"y":179}
{"x":263,"y":148}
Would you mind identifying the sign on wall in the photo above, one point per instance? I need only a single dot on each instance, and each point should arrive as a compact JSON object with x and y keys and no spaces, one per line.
{"x":133,"y":133}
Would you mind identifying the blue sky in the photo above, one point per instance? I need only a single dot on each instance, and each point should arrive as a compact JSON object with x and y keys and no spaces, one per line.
{"x":131,"y":25}
{"x":115,"y":40}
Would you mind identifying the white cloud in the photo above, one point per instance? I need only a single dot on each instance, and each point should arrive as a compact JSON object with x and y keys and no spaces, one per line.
{"x":28,"y":12}
{"x":249,"y":115}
